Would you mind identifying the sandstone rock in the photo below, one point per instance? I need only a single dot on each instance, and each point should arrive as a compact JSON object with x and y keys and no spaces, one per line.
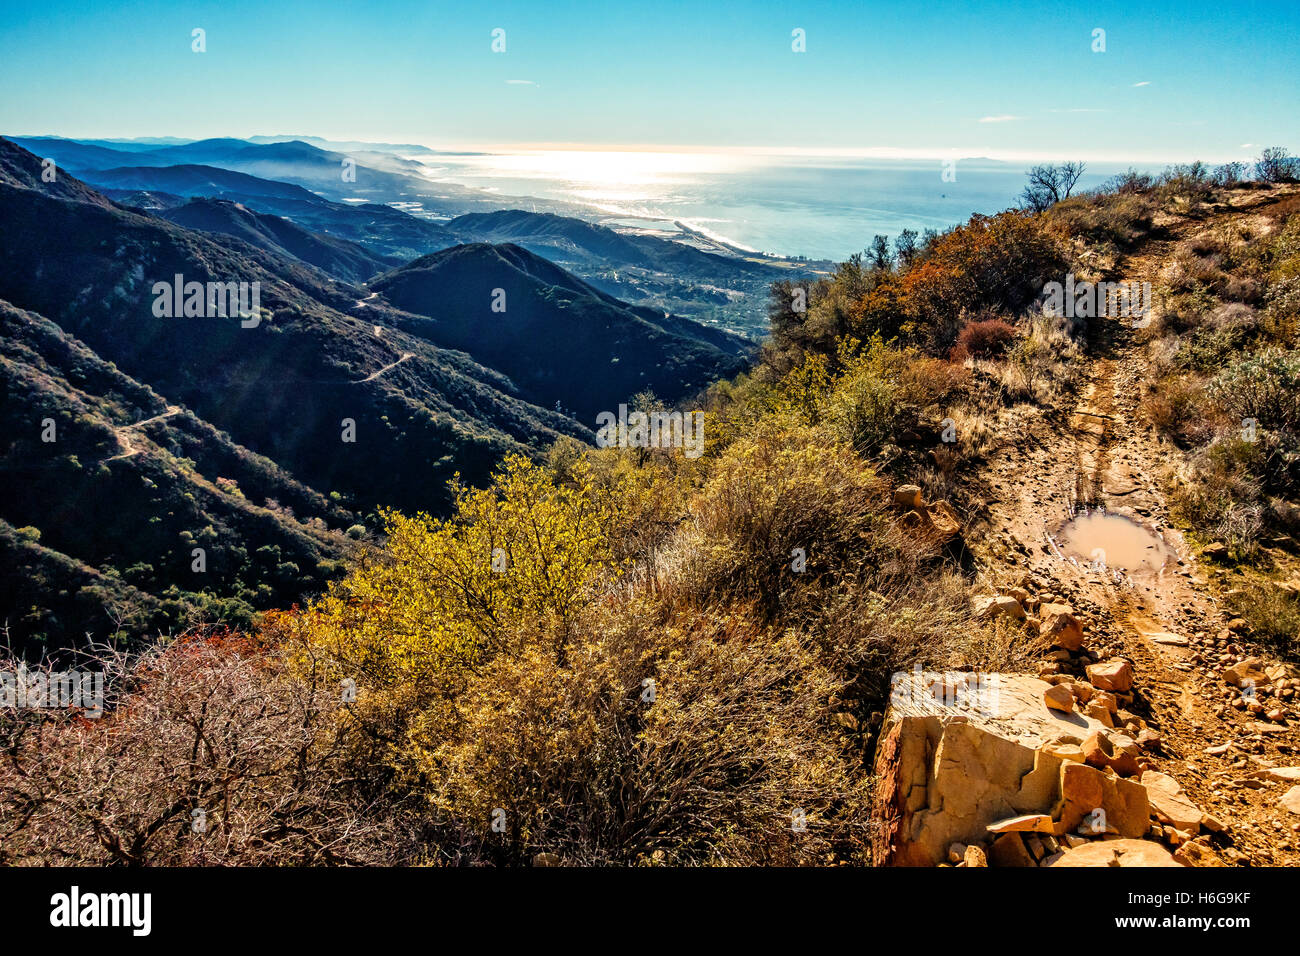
{"x":1280,"y":774}
{"x":1083,"y":690}
{"x":998,"y":606}
{"x":1058,"y":697}
{"x":1166,"y":638}
{"x":957,"y":853}
{"x":946,"y":772}
{"x":1026,"y":823}
{"x":1115,"y":674}
{"x":1291,"y":800}
{"x":1099,"y":751}
{"x":1247,"y":673}
{"x":1064,"y":749}
{"x":1148,"y":740}
{"x":1099,"y":712}
{"x":1020,"y":594}
{"x":1084,"y":789}
{"x":907,"y":496}
{"x":975,"y":856}
{"x":1058,"y":624}
{"x":1277,"y":673}
{"x":1010,"y":850}
{"x":1169,"y":803}
{"x":1196,"y":853}
{"x":1134,"y":853}
{"x":1125,"y":744}
{"x":944,"y":522}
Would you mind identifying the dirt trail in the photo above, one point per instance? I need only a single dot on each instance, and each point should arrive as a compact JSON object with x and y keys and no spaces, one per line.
{"x":123,"y":432}
{"x":387,"y":368}
{"x":1099,"y":454}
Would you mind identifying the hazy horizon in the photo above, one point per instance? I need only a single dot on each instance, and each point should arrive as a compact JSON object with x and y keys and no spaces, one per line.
{"x":1039,"y":83}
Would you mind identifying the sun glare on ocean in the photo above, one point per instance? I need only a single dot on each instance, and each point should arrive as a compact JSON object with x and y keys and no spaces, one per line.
{"x":605,"y":176}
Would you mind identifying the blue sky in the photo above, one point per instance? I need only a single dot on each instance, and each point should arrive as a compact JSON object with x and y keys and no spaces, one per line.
{"x":1178,"y":80}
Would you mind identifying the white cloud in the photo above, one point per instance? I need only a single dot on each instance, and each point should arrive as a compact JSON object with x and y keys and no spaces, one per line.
{"x":1003,"y":118}
{"x":1143,"y":83}
{"x":521,"y":82}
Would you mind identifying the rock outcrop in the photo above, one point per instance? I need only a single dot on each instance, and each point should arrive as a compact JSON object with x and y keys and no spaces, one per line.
{"x":982,"y":762}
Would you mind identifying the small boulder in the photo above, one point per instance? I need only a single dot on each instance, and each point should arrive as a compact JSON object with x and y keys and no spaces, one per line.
{"x":1280,"y":774}
{"x":1099,"y":751}
{"x":1169,"y":803}
{"x":1115,"y":674}
{"x":1058,"y":624}
{"x":907,"y":496}
{"x":975,"y":857}
{"x":944,"y":521}
{"x":1084,"y":790}
{"x":1100,"y":712}
{"x":999,"y":605}
{"x":1247,"y":673}
{"x":1291,"y":800}
{"x":1010,"y":850}
{"x":1196,"y":853}
{"x":1058,"y":697}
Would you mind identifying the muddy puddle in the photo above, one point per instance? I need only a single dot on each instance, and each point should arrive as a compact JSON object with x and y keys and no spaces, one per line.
{"x":1113,"y":541}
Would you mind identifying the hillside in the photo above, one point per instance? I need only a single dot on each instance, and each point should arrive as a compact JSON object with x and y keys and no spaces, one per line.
{"x":140,"y":485}
{"x":724,"y":290}
{"x":559,"y":338}
{"x":196,"y":180}
{"x":283,"y":386}
{"x":291,"y":410}
{"x":338,"y":257}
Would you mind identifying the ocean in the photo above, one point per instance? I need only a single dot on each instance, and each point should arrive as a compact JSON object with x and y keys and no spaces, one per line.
{"x":821,"y":207}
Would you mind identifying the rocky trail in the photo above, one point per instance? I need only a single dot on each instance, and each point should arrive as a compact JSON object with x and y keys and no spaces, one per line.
{"x":1162,"y":686}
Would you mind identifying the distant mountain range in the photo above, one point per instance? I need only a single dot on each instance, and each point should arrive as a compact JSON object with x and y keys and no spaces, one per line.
{"x":262,"y":439}
{"x":304,"y":182}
